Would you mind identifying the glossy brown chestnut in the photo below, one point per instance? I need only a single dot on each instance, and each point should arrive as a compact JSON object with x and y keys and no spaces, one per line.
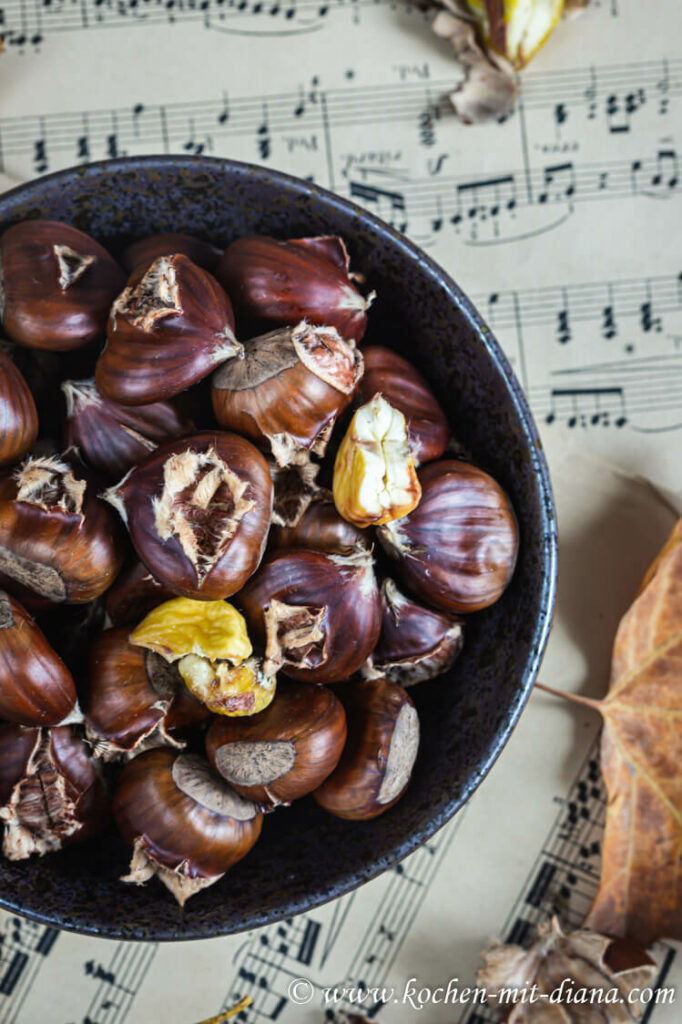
{"x":288,"y":390}
{"x":321,"y":528}
{"x":18,"y":414}
{"x":36,"y":687}
{"x":379,"y":755}
{"x":316,"y":615}
{"x":168,"y":244}
{"x":57,"y":539}
{"x":198,"y":511}
{"x":134,"y":593}
{"x":169,"y":327}
{"x":458,"y":549}
{"x":404,"y":387}
{"x":185,"y":824}
{"x":58,"y":285}
{"x":113,"y":438}
{"x":134,"y":698}
{"x":51,"y":791}
{"x":285,"y":751}
{"x":277,"y":283}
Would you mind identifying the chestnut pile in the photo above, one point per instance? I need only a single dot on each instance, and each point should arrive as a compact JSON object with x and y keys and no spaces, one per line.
{"x":196,"y":622}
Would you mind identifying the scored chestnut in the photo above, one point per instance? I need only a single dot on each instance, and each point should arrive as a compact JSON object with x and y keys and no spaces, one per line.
{"x":282,"y":283}
{"x":58,"y":285}
{"x":169,"y":243}
{"x":285,"y":751}
{"x":198,"y":512}
{"x":18,"y":414}
{"x":185,"y":824}
{"x":458,"y":549}
{"x":321,"y":528}
{"x":377,"y":760}
{"x":134,"y":593}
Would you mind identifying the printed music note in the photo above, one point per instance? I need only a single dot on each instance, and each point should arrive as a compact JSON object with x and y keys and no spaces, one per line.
{"x":578,"y":398}
{"x":263,"y":136}
{"x":487,"y":197}
{"x":224,"y":115}
{"x":389,"y":205}
{"x":558,"y":181}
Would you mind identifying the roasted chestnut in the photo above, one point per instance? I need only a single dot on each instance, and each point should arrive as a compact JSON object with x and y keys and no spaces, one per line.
{"x":321,"y":528}
{"x":279,"y":283}
{"x":284,"y":752}
{"x":379,"y":755}
{"x":458,"y":549}
{"x":185,"y":824}
{"x":57,"y":285}
{"x":36,"y":687}
{"x":134,"y":698}
{"x":113,"y":438}
{"x":51,"y":791}
{"x":18,"y":414}
{"x":198,"y":512}
{"x":316,"y":615}
{"x":134,"y":593}
{"x":168,"y":244}
{"x":169,"y":327}
{"x":404,"y":387}
{"x":288,"y":390}
{"x":57,"y":539}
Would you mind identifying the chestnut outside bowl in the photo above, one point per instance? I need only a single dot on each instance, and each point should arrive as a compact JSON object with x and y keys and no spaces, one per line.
{"x":305,"y":856}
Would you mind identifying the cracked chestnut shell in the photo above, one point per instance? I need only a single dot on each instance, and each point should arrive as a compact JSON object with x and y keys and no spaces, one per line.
{"x":169,"y":243}
{"x":50,"y":788}
{"x":285,"y":751}
{"x":278,"y":283}
{"x":57,"y":285}
{"x":168,"y":329}
{"x":321,"y":528}
{"x":288,"y":390}
{"x":36,"y":687}
{"x":316,"y":615}
{"x":58,"y":541}
{"x":198,"y":511}
{"x":457,"y":550}
{"x":377,"y":760}
{"x":18,"y":414}
{"x":134,"y":698}
{"x":134,"y":593}
{"x":185,"y":824}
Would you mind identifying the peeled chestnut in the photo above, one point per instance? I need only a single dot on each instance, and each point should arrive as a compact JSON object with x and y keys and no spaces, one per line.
{"x":18,"y":414}
{"x":134,"y":593}
{"x":284,"y":752}
{"x":279,"y":283}
{"x":458,"y":549}
{"x":58,"y":285}
{"x":57,"y":539}
{"x":288,"y":390}
{"x":198,"y":512}
{"x":169,"y":327}
{"x":379,"y":755}
{"x":316,"y":615}
{"x":134,"y":698}
{"x":321,"y":528}
{"x":404,"y":387}
{"x":185,"y":824}
{"x":167,"y":244}
{"x":51,"y":791}
{"x":36,"y":687}
{"x":113,"y":438}
{"x":416,"y":643}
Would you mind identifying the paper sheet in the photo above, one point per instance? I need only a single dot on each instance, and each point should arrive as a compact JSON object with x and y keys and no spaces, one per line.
{"x":563,"y":225}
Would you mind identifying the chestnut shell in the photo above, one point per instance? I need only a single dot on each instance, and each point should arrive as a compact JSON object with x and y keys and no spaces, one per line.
{"x":18,"y":413}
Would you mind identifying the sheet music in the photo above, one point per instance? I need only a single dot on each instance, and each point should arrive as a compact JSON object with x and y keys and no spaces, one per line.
{"x":562,"y":224}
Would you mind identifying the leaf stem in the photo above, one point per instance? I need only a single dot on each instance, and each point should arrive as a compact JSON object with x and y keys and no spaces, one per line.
{"x":574,"y":698}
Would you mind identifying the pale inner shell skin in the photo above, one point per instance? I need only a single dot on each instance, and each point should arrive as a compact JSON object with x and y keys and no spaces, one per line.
{"x":402,"y":753}
{"x":156,"y":296}
{"x":292,"y":632}
{"x":177,"y":880}
{"x":164,"y":678}
{"x":71,"y":265}
{"x":324,"y":352}
{"x":50,"y":483}
{"x":194,"y":777}
{"x":257,"y":763}
{"x":6,"y":617}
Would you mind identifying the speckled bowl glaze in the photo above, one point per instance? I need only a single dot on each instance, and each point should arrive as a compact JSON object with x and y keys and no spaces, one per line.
{"x":306,"y":857}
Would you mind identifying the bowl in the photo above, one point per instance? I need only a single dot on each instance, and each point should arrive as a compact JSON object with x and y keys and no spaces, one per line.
{"x":306,"y":857}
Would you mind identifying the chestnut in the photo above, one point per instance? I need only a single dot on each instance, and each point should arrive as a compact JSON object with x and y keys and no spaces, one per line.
{"x":52,"y":793}
{"x":113,"y":438}
{"x":198,"y":512}
{"x":280,"y":283}
{"x":185,"y":824}
{"x":57,"y":539}
{"x":321,"y":528}
{"x":36,"y":687}
{"x":284,"y":752}
{"x":316,"y":615}
{"x":169,"y":243}
{"x":134,"y":593}
{"x":134,"y":698}
{"x":404,"y":387}
{"x":18,"y":414}
{"x":294,"y":487}
{"x":458,"y":549}
{"x":58,"y":285}
{"x":288,"y":390}
{"x":169,"y":327}
{"x":379,"y":755}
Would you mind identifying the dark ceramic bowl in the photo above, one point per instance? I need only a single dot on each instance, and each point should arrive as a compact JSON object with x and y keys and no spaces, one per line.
{"x":305,"y":856}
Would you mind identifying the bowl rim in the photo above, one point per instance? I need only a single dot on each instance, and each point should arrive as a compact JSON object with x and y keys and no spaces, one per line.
{"x":547,"y":513}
